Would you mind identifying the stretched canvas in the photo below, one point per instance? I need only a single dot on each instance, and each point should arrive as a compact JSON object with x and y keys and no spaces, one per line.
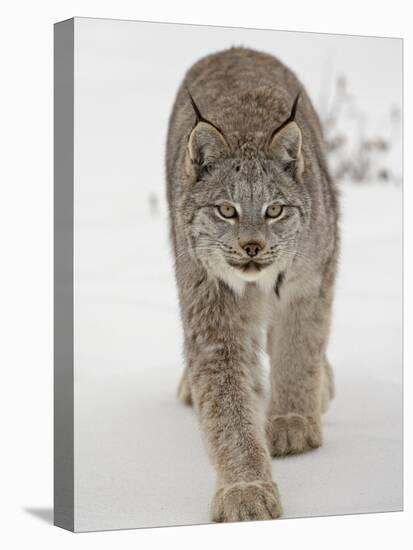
{"x":268,"y":179}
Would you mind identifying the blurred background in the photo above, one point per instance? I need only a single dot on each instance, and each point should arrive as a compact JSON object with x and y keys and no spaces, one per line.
{"x":139,"y":456}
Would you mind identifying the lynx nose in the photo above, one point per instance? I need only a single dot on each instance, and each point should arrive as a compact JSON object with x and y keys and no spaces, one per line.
{"x":252,"y":249}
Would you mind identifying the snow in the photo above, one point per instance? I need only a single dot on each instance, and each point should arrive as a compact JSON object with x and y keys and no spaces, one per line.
{"x":139,"y":456}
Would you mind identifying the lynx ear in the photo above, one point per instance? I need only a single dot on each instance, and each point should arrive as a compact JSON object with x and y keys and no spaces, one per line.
{"x":206,"y":144}
{"x":285,"y":142}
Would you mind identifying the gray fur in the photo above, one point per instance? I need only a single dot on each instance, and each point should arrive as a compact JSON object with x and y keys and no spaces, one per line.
{"x":241,"y":146}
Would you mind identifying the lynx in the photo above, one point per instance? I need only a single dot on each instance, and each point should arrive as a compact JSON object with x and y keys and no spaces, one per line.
{"x":253,"y":217}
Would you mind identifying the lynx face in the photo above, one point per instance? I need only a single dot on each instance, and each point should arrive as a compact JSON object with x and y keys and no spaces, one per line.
{"x":246,"y":219}
{"x":245,"y":210}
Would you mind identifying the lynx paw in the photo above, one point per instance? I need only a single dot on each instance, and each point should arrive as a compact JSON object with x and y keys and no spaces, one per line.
{"x":246,"y":501}
{"x":292,"y":433}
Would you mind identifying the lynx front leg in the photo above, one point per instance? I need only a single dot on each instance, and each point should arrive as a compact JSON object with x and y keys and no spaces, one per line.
{"x":296,"y":345}
{"x":221,"y":354}
{"x":224,"y":396}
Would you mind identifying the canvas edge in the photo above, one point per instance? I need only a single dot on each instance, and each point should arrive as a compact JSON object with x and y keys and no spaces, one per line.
{"x":63,"y":274}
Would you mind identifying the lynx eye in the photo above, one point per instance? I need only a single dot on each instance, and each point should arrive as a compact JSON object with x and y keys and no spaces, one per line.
{"x":274,"y":210}
{"x":227,"y":211}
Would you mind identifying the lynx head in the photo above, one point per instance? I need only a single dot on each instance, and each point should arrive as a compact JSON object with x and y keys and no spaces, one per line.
{"x":244,"y":207}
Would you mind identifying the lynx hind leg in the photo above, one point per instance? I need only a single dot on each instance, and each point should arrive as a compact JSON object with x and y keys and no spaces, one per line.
{"x":327,"y":385}
{"x":297,"y":379}
{"x":184,"y":389}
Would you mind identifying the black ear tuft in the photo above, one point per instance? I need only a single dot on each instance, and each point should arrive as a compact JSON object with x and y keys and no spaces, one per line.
{"x":294,"y":107}
{"x":285,"y":143}
{"x":291,"y":118}
{"x":198,"y":115}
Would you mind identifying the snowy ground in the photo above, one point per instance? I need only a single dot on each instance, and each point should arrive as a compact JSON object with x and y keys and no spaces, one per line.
{"x":139,"y":458}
